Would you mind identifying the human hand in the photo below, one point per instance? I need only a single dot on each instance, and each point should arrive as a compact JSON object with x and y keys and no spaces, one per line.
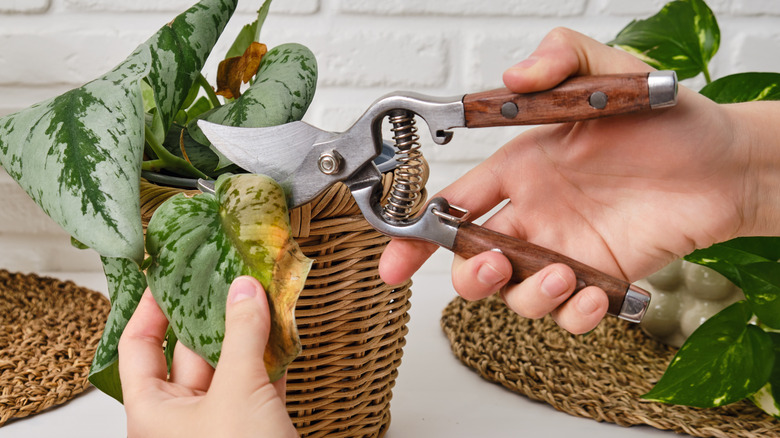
{"x":625,"y":194}
{"x":235,"y":400}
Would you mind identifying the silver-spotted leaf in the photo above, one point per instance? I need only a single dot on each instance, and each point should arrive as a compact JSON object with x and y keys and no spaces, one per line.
{"x":126,"y":285}
{"x":283,"y":89}
{"x":199,"y":244}
{"x":179,"y":50}
{"x":78,"y":156}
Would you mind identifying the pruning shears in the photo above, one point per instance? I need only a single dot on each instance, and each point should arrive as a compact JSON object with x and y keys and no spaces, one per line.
{"x":306,"y":161}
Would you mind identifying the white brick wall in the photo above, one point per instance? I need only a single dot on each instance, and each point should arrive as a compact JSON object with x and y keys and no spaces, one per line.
{"x":365,"y":48}
{"x":23,"y":6}
{"x":466,"y":8}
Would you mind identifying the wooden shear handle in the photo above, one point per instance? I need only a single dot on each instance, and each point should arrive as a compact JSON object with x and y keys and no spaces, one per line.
{"x":576,"y":99}
{"x":625,"y":300}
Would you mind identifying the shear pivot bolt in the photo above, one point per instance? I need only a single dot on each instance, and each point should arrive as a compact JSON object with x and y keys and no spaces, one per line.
{"x":330,"y":162}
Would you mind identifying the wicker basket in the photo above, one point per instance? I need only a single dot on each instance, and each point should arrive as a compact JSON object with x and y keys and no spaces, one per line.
{"x":352,"y":325}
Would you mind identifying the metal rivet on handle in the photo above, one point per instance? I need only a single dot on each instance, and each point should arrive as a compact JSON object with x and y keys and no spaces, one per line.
{"x":509,"y":110}
{"x":329,"y":162}
{"x":598,"y":100}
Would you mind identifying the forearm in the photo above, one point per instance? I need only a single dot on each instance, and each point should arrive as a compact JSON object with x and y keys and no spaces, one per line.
{"x":757,"y":133}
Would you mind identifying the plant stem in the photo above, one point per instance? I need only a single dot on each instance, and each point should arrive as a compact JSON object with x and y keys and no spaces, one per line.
{"x":706,"y":72}
{"x":209,"y":91}
{"x":153,"y":165}
{"x":156,"y":146}
{"x":166,"y":160}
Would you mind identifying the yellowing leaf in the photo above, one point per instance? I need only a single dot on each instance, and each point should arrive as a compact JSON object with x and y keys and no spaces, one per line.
{"x":200,"y":244}
{"x":232,"y":72}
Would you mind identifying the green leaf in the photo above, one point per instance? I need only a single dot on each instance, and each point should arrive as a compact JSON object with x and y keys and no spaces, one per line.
{"x":179,"y":50}
{"x":282,"y":91}
{"x":201,"y":156}
{"x":192,"y":95}
{"x":761,"y":284}
{"x":744,"y":87}
{"x":77,"y":155}
{"x":76,"y":244}
{"x":726,"y":256}
{"x":768,"y":397}
{"x":170,"y":346}
{"x":249,"y":33}
{"x":199,"y":107}
{"x":154,"y":123}
{"x":148,"y":96}
{"x":766,"y":247}
{"x":683,"y":36}
{"x":751,"y":264}
{"x":126,"y":285}
{"x":723,"y":361}
{"x":198,"y":245}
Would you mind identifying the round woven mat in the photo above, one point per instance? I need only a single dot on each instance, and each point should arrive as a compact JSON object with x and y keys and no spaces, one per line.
{"x":49,"y":330}
{"x":600,"y":375}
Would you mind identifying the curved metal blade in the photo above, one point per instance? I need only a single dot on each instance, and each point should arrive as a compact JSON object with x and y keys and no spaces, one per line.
{"x":275,"y":151}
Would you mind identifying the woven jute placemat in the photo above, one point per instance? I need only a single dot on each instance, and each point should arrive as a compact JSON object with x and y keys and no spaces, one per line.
{"x":49,"y":330}
{"x":600,"y":375}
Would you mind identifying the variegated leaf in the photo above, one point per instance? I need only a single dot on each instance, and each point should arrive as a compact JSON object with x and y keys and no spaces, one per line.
{"x":179,"y":50}
{"x":199,"y":244}
{"x":77,"y":155}
{"x":126,"y":285}
{"x":768,"y":397}
{"x":744,"y":87}
{"x":282,"y":91}
{"x":751,"y":264}
{"x":249,"y":33}
{"x":725,"y":360}
{"x":683,"y":36}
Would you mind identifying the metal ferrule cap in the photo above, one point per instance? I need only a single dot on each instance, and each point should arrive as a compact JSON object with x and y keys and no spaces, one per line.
{"x":635,"y":304}
{"x":662,"y":88}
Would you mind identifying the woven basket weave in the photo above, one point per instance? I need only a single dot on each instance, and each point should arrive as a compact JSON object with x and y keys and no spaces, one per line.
{"x":352,"y":325}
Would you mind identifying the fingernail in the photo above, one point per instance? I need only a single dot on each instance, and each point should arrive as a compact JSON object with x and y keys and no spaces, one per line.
{"x":586,"y":305}
{"x":527,"y":63}
{"x":489,"y":276}
{"x":242,"y":289}
{"x":554,"y":285}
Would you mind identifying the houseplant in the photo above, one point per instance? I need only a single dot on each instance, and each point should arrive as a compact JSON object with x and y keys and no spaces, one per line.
{"x":80,"y":155}
{"x":736,"y":353}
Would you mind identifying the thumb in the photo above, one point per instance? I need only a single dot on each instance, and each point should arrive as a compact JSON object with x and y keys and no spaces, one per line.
{"x":563,"y":53}
{"x":247,"y":325}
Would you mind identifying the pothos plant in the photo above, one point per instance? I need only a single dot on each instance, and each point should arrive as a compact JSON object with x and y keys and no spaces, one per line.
{"x":736,"y":353}
{"x":80,"y":156}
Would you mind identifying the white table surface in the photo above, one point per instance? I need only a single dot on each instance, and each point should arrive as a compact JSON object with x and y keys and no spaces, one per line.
{"x":435,"y":395}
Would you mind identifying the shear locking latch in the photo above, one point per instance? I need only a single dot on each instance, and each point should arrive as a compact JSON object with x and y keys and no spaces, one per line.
{"x":206,"y":185}
{"x":463,"y":214}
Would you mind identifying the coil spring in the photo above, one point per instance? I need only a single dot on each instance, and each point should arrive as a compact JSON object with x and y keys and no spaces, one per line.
{"x":408,"y":181}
